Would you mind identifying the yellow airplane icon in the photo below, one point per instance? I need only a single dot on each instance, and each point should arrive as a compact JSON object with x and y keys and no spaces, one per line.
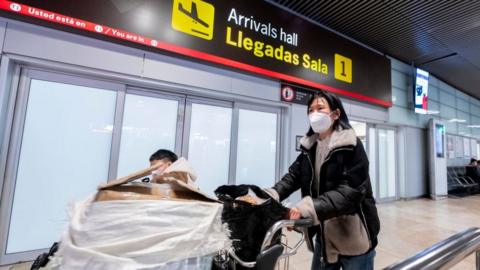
{"x":193,"y":17}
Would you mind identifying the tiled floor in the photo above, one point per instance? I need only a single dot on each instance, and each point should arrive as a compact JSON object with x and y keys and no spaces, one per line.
{"x":408,"y":227}
{"x":21,"y":266}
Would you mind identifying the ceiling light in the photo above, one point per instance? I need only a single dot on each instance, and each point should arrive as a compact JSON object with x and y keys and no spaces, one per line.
{"x":457,"y":120}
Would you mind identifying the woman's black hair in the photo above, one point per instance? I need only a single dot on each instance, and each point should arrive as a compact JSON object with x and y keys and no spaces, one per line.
{"x":334,"y":103}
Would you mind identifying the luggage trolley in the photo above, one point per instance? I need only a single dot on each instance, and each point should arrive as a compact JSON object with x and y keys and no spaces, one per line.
{"x":271,"y":253}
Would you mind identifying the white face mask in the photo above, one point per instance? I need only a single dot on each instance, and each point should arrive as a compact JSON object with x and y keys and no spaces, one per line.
{"x":320,"y":122}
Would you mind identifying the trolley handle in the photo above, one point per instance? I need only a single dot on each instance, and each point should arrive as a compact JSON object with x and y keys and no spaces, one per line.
{"x":232,"y":253}
{"x":304,"y":222}
{"x":301,"y":223}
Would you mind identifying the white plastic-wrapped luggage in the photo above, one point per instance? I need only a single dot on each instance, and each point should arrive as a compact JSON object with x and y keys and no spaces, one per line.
{"x":154,"y":233}
{"x":122,"y":227}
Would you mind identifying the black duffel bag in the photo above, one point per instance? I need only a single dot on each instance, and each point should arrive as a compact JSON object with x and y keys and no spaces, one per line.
{"x":249,"y":222}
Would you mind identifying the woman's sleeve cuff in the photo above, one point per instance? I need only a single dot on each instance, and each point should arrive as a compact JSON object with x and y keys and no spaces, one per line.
{"x":306,"y":208}
{"x":273,"y":193}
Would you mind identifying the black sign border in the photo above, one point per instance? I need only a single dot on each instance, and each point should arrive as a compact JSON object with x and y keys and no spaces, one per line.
{"x":176,"y":49}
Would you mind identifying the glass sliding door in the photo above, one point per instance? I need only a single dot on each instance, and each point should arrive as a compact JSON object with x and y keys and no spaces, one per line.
{"x":360,"y":129}
{"x":366,"y":133}
{"x":257,"y":143}
{"x":208,"y":142}
{"x":150,"y":123}
{"x":387,"y":175}
{"x":380,"y":143}
{"x":64,"y":153}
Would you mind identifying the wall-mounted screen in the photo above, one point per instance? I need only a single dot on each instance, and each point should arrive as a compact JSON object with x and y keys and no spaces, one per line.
{"x":421,"y":91}
{"x":439,"y":138}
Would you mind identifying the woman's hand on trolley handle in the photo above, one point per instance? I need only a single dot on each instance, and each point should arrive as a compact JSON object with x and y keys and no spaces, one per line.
{"x":293,"y":214}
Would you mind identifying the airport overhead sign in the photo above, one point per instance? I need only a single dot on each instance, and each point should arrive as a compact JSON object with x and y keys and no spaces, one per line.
{"x":254,"y":36}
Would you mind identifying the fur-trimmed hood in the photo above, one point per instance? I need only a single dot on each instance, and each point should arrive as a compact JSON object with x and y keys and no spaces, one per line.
{"x":338,"y":138}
